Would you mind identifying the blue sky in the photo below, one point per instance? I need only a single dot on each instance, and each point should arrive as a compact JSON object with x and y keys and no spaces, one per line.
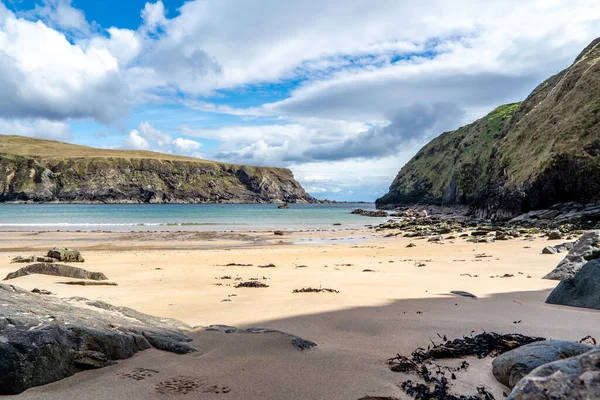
{"x":342,"y":92}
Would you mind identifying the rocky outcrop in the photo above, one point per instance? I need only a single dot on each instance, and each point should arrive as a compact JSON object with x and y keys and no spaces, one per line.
{"x":44,"y":339}
{"x":56,"y":270}
{"x":66,"y":255}
{"x":370,"y":213}
{"x":39,"y":170}
{"x":521,"y":156}
{"x":575,"y":378}
{"x":583,"y":290}
{"x":510,"y":367}
{"x":587,"y":248}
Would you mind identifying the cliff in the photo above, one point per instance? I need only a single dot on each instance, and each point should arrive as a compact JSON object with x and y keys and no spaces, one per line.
{"x":47,"y":171}
{"x":521,"y":156}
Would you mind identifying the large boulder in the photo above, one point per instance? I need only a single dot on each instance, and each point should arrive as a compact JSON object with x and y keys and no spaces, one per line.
{"x":56,"y":270}
{"x":510,"y":367}
{"x":583,"y":290}
{"x":44,"y":339}
{"x":66,"y":255}
{"x":587,"y":248}
{"x":575,"y":378}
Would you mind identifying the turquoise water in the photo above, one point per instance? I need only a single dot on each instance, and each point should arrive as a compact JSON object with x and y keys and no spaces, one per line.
{"x":127,"y":217}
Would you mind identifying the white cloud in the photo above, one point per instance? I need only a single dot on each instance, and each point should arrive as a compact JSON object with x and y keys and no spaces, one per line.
{"x":40,"y":128}
{"x":136,"y":141}
{"x":60,"y":14}
{"x":43,"y":75}
{"x":153,"y":15}
{"x":185,"y":145}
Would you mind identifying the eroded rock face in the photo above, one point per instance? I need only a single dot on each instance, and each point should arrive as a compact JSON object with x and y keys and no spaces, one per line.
{"x":510,"y":367}
{"x":583,"y":290}
{"x":56,"y":270}
{"x":576,"y":378}
{"x":44,"y":339}
{"x":66,"y":255}
{"x":587,"y":248}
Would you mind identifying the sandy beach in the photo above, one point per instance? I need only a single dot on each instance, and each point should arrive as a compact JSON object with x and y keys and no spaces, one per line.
{"x":392,"y":299}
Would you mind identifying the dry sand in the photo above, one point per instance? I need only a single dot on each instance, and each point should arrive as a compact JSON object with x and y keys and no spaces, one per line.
{"x":394,"y":309}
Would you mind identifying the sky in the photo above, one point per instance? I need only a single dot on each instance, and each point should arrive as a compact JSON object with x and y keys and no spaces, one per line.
{"x":342,"y":92}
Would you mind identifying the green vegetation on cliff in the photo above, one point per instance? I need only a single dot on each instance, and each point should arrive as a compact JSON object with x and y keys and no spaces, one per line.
{"x":44,"y":170}
{"x":521,"y":156}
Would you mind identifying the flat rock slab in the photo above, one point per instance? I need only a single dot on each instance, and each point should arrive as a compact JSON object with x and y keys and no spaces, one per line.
{"x":510,"y":367}
{"x":587,"y":248}
{"x":89,"y":283}
{"x":33,"y":259}
{"x":44,"y":338}
{"x":583,"y":290}
{"x":56,"y":270}
{"x":297,"y":342}
{"x":575,"y":378}
{"x":66,"y":255}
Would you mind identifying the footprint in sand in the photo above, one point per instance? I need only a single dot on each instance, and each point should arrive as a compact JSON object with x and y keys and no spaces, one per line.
{"x":186,"y":384}
{"x":139,"y":374}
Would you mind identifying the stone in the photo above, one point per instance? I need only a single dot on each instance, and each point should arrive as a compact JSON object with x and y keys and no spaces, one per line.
{"x":463,"y":294}
{"x":88,"y":283}
{"x":561,"y":248}
{"x":42,"y":291}
{"x":367,"y":213}
{"x":411,"y":245}
{"x":436,"y":239}
{"x":66,"y":255}
{"x":587,"y":248}
{"x":44,"y":339}
{"x":549,"y":250}
{"x":56,"y":270}
{"x":555,"y":235}
{"x":33,"y":259}
{"x":575,"y":378}
{"x":284,"y":206}
{"x":278,"y":233}
{"x":509,"y":368}
{"x":296,"y":341}
{"x":583,"y":290}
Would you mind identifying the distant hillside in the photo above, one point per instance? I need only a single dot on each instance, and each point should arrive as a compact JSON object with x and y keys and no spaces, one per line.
{"x":521,"y":156}
{"x":48,"y":171}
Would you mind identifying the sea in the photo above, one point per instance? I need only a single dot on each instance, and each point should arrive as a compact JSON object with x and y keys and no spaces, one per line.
{"x":152,"y":217}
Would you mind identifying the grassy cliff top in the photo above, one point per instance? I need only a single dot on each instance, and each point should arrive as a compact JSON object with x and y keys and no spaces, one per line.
{"x":50,"y":149}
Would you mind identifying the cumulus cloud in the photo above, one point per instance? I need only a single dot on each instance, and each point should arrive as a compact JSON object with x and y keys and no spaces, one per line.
{"x":185,"y":145}
{"x":43,"y":75}
{"x":147,"y":137}
{"x":60,"y":14}
{"x":40,"y":128}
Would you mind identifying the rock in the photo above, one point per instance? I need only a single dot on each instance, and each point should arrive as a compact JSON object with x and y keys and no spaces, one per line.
{"x":510,"y":367}
{"x":297,"y":342}
{"x":561,"y":248}
{"x":284,"y":206}
{"x":44,"y":339}
{"x":554,"y":235}
{"x":88,"y":283}
{"x":587,"y":248}
{"x":435,"y":239}
{"x":575,"y":378}
{"x":411,"y":245}
{"x":502,"y":236}
{"x":583,"y":290}
{"x":41,"y":291}
{"x":66,"y":255}
{"x":479,"y":233}
{"x":33,"y":259}
{"x":278,"y":233}
{"x":549,"y":250}
{"x":367,"y":213}
{"x":463,"y":294}
{"x":57,"y":270}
